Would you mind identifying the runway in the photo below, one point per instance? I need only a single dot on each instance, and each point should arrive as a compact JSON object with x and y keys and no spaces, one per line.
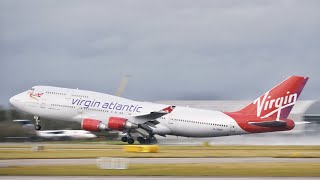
{"x":149,"y":178}
{"x":34,"y":162}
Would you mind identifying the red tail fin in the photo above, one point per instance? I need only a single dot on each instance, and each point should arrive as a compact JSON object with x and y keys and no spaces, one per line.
{"x":277,"y":102}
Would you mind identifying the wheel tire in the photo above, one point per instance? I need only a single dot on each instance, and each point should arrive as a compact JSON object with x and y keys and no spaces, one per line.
{"x":37,"y":127}
{"x":148,"y":141}
{"x":124,"y":139}
{"x":154,"y":141}
{"x":141,"y":140}
{"x":130,"y":141}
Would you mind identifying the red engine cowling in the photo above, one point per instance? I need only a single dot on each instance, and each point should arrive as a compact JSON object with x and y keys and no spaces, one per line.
{"x":117,"y":123}
{"x":114,"y":123}
{"x":91,"y":125}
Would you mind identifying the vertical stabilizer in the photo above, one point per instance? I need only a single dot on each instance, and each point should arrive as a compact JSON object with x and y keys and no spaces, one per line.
{"x":277,"y":102}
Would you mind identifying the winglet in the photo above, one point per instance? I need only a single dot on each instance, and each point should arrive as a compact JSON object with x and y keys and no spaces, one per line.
{"x":156,"y":114}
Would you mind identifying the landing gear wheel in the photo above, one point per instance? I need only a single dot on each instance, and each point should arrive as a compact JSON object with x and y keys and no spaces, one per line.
{"x":151,"y":140}
{"x":130,"y":141}
{"x":124,"y":139}
{"x":37,"y":127}
{"x":148,"y":141}
{"x":141,"y":140}
{"x":154,"y":140}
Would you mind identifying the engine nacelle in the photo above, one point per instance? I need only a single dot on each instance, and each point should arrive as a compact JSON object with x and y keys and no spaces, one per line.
{"x":120,"y":124}
{"x":93,"y":125}
{"x":114,"y":123}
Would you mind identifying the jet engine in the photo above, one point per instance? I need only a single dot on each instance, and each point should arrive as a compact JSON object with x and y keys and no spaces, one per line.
{"x":93,"y":125}
{"x":113,"y":123}
{"x":120,"y":124}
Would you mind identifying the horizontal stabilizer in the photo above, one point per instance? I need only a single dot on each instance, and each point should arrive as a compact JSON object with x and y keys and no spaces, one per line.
{"x":303,"y":122}
{"x":269,"y":123}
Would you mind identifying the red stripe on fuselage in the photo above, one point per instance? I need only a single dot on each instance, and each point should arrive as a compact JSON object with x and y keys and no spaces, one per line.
{"x":244,"y":119}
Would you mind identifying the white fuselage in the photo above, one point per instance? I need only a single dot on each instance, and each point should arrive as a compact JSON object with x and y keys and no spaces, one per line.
{"x":74,"y":105}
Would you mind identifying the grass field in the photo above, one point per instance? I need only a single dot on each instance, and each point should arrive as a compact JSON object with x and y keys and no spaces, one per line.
{"x":236,"y":169}
{"x":102,"y":150}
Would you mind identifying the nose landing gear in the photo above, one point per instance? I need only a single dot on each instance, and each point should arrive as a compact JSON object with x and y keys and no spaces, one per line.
{"x":37,"y":125}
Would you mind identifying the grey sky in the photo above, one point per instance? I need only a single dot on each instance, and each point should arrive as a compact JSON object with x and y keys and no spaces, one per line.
{"x":173,"y":49}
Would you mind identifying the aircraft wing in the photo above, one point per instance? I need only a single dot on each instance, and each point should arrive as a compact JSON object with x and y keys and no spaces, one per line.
{"x":155,"y":114}
{"x":143,"y":119}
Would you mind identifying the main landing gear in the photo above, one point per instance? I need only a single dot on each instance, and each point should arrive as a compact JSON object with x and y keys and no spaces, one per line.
{"x":37,"y":125}
{"x":141,"y":140}
{"x":128,"y":139}
{"x":149,"y":140}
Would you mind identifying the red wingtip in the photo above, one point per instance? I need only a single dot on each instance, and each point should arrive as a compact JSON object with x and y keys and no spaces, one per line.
{"x":168,"y":109}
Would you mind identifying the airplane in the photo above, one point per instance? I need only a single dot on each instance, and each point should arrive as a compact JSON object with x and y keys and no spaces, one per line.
{"x":56,"y":134}
{"x":102,"y":112}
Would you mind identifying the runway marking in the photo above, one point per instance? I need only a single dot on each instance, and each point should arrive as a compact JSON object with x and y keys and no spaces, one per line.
{"x":34,"y":162}
{"x":149,"y":178}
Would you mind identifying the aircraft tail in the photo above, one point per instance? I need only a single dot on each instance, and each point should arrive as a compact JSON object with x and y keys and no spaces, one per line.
{"x":277,"y":102}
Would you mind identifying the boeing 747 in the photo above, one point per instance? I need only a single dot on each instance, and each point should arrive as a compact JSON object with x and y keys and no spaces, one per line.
{"x":99,"y":112}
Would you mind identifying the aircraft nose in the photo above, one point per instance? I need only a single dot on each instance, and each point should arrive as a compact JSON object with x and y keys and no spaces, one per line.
{"x":18,"y":100}
{"x":11,"y":100}
{"x":14,"y":100}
